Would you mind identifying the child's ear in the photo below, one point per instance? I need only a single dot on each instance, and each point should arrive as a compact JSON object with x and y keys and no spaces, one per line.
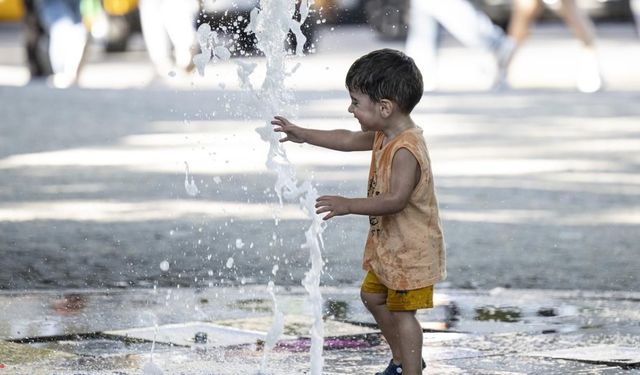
{"x":386,"y":107}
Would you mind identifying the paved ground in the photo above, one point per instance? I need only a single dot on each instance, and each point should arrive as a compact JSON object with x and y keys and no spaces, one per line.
{"x":538,"y":187}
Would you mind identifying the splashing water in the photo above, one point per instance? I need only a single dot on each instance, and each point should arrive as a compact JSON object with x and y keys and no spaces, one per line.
{"x":151,"y":368}
{"x":164,"y":265}
{"x":277,"y":327}
{"x":271,"y":23}
{"x":211,"y":48}
{"x":189,"y":183}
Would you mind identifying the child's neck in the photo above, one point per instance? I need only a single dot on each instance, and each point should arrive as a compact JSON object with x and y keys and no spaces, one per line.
{"x":397,"y":125}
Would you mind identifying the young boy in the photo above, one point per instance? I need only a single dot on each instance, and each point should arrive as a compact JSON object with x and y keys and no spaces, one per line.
{"x":404,"y":254}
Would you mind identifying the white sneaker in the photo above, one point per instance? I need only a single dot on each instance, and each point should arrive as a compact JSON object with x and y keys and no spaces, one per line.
{"x":503,"y":55}
{"x":589,"y":78}
{"x":62,"y":80}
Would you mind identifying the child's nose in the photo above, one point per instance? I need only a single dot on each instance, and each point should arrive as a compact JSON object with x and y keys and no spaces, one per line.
{"x":350,"y":108}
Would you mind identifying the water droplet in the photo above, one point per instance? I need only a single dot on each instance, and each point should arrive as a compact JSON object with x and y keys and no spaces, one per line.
{"x":164,"y":265}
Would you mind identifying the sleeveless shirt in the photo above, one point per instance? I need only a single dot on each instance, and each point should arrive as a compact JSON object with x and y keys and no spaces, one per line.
{"x":405,"y":250}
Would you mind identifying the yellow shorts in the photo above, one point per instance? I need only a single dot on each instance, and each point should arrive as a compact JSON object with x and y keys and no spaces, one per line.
{"x":399,"y":300}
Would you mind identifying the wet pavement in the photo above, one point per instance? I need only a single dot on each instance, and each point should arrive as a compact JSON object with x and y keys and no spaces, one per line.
{"x":221,"y":331}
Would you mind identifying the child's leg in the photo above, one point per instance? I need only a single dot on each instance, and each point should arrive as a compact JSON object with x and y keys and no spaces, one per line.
{"x":376,"y":303}
{"x":409,"y":337}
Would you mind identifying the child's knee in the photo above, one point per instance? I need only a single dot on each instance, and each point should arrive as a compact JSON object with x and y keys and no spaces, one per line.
{"x":404,"y":315}
{"x":372,"y":300}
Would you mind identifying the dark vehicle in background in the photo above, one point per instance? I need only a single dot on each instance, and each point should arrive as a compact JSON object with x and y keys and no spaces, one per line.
{"x":122,"y":21}
{"x":231,"y":17}
{"x":389,"y":17}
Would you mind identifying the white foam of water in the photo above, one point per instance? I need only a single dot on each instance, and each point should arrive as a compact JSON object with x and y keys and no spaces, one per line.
{"x":212,"y":49}
{"x":270,"y":25}
{"x":189,"y":183}
{"x":151,"y":368}
{"x":164,"y":265}
{"x":277,"y":327}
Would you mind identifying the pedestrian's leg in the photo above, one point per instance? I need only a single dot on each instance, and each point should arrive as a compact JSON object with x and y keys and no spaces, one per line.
{"x":179,"y":17}
{"x":578,"y":22}
{"x":422,"y":42}
{"x":589,"y":76}
{"x":409,"y":336}
{"x":76,"y":41}
{"x":635,"y":9}
{"x":155,"y":35}
{"x":53,"y":16}
{"x":377,"y":304}
{"x":67,"y":39}
{"x":474,"y":29}
{"x":470,"y":26}
{"x":523,"y":14}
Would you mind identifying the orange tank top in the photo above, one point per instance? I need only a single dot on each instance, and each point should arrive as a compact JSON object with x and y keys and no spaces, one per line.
{"x":405,"y":250}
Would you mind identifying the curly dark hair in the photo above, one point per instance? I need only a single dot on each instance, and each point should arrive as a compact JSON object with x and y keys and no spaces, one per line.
{"x":387,"y":74}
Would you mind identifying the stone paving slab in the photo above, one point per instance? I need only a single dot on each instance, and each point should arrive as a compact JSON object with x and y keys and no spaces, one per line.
{"x":185,"y":334}
{"x":600,"y":354}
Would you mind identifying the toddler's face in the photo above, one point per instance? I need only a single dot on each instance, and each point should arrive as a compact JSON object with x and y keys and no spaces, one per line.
{"x":366,"y":111}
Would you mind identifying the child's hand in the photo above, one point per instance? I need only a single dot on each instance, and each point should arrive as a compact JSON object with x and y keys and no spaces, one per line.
{"x":335,"y":205}
{"x":292,"y":132}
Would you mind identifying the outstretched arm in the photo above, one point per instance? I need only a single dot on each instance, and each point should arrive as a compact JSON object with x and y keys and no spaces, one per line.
{"x":405,"y":174}
{"x":341,"y":140}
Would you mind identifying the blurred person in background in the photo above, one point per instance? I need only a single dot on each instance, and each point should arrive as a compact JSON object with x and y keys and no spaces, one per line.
{"x":589,"y":76}
{"x":62,"y":22}
{"x":470,"y":26}
{"x":168,"y":28}
{"x":635,"y":9}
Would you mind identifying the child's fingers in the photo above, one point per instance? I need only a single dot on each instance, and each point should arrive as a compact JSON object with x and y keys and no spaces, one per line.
{"x":280,"y":119}
{"x":322,"y":203}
